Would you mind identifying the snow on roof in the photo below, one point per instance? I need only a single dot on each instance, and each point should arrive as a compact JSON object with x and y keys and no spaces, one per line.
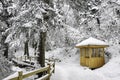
{"x":95,"y":8}
{"x":91,"y":41}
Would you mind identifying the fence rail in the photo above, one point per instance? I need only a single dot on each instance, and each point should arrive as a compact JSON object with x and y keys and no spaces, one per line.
{"x":49,"y":69}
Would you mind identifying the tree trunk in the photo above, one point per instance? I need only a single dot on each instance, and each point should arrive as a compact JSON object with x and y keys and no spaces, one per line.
{"x":26,"y":48}
{"x":6,"y":50}
{"x":35,"y":47}
{"x":5,"y":45}
{"x":41,"y":49}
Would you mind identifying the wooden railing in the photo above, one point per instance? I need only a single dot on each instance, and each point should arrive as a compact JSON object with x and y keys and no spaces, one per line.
{"x":49,"y":69}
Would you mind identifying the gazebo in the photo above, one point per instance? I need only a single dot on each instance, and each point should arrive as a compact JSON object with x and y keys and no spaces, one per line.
{"x":92,"y":52}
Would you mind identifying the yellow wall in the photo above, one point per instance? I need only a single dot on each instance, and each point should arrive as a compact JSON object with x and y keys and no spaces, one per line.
{"x":92,"y":61}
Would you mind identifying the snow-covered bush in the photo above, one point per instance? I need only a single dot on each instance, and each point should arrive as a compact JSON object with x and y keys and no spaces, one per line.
{"x":5,"y":66}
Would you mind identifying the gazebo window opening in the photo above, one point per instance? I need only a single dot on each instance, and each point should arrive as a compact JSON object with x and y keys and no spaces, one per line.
{"x":100,"y":52}
{"x":94,"y":52}
{"x":87,"y":52}
{"x":97,"y":52}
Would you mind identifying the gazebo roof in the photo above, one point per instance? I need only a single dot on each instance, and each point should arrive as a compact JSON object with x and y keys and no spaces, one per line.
{"x":92,"y":41}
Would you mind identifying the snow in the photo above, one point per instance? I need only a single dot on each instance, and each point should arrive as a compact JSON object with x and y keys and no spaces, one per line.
{"x":116,"y":1}
{"x":75,"y":72}
{"x":111,"y":69}
{"x":91,"y":41}
{"x":114,"y":50}
{"x":63,"y":55}
{"x":11,"y":76}
{"x":70,"y":69}
{"x":67,"y":58}
{"x":21,"y":63}
{"x":20,"y":53}
{"x":39,"y":15}
{"x":14,"y":74}
{"x":29,"y":24}
{"x":95,"y":8}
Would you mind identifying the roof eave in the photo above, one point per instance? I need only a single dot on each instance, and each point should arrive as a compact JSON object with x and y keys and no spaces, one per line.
{"x":92,"y":46}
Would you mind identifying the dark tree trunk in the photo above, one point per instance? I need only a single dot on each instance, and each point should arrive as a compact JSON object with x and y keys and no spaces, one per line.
{"x":6,"y":50}
{"x":41,"y":49}
{"x":26,"y":48}
{"x":41,"y":45}
{"x":98,"y":21}
{"x":35,"y":47}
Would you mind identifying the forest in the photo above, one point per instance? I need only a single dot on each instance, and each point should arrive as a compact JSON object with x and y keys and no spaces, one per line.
{"x":51,"y":29}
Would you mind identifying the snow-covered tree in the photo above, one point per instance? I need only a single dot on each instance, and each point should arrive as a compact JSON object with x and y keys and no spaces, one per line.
{"x":32,"y":21}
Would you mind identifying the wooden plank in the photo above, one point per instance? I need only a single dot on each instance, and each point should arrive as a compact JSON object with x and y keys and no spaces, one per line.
{"x":93,"y":46}
{"x":103,"y":56}
{"x":81,"y":54}
{"x":51,"y":71}
{"x":90,"y":56}
{"x":20,"y":75}
{"x":15,"y":78}
{"x":35,"y":72}
{"x":43,"y":77}
{"x":48,"y":72}
{"x":96,"y":62}
{"x":31,"y":73}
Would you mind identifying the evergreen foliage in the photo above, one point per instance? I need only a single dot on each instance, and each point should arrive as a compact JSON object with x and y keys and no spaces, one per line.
{"x":65,"y":22}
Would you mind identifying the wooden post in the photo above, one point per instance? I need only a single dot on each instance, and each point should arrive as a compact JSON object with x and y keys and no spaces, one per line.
{"x":81,"y":55}
{"x":20,"y":74}
{"x":103,"y":56}
{"x":48,"y":72}
{"x":103,"y":51}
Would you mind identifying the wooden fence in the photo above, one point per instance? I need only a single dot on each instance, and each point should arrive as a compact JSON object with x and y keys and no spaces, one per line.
{"x":49,"y":69}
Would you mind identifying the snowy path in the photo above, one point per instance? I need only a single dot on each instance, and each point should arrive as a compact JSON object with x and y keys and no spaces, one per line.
{"x":75,"y":72}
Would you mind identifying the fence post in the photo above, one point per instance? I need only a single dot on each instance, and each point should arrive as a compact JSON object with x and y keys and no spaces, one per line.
{"x":20,"y":75}
{"x":48,"y":72}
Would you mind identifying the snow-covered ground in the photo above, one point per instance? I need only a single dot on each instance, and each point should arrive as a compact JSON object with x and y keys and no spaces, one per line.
{"x":70,"y":69}
{"x":73,"y":71}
